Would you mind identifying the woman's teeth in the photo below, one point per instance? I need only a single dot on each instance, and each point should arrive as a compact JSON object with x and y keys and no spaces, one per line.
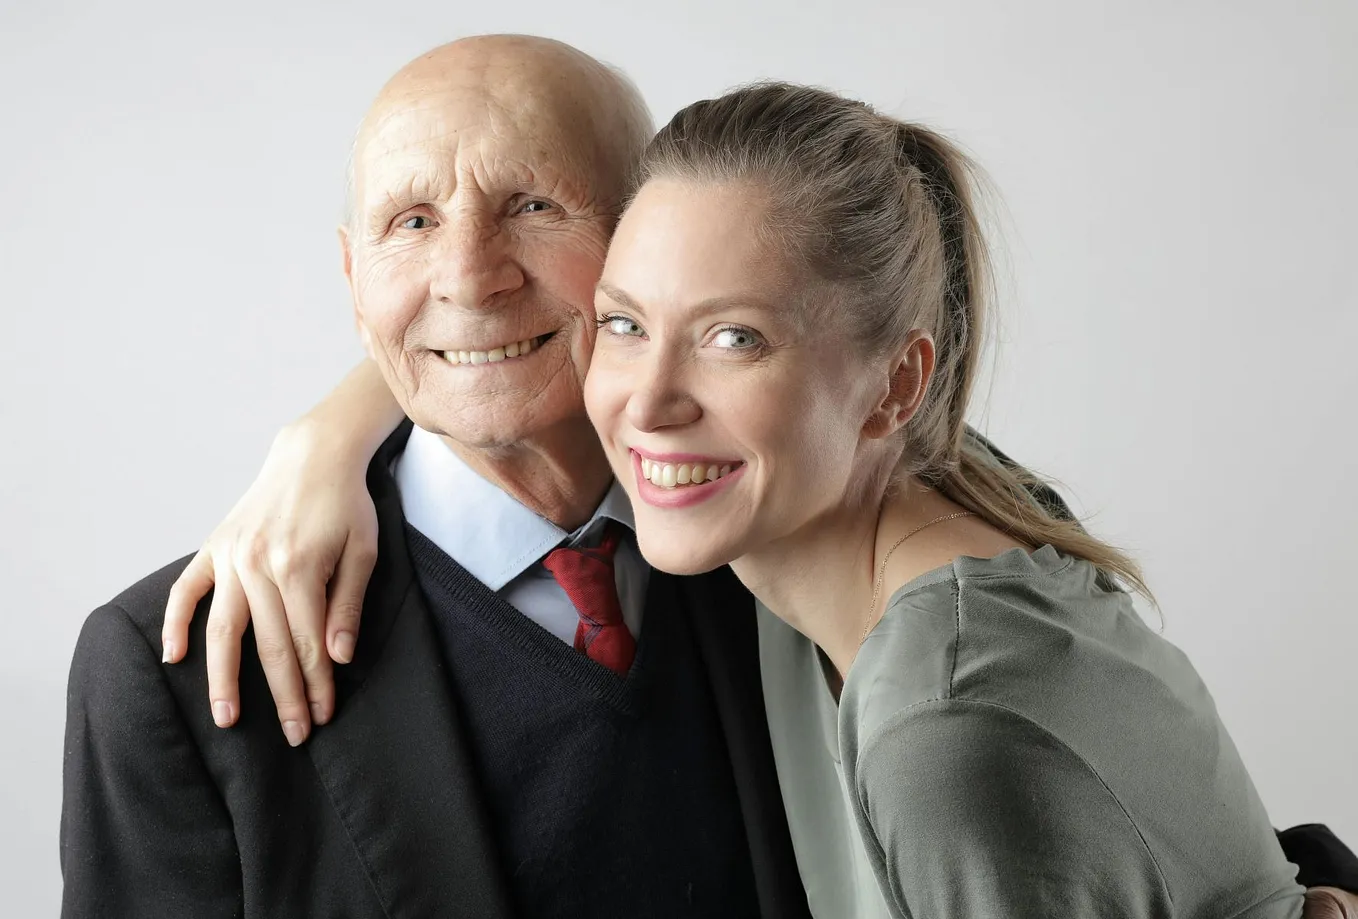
{"x":669,"y":475}
{"x":513,"y":349}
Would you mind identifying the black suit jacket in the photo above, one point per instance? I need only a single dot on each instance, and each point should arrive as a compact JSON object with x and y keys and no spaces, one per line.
{"x":378,"y":815}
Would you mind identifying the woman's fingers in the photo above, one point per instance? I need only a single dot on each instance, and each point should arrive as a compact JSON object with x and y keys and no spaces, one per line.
{"x":189,"y":588}
{"x":273,"y":645}
{"x":306,"y":517}
{"x":1330,"y":903}
{"x":226,"y":622}
{"x":345,"y":607}
{"x":303,"y":597}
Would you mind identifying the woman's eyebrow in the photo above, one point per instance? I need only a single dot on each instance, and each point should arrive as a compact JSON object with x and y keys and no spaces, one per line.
{"x":618,"y":296}
{"x":701,"y":308}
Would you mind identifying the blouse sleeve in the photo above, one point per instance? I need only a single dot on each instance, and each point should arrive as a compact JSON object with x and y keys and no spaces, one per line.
{"x":970,"y":809}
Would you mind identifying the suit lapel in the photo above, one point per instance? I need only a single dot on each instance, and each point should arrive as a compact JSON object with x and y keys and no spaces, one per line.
{"x":395,"y":760}
{"x":722,"y":615}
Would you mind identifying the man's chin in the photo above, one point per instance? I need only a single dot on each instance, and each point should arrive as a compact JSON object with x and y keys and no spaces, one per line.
{"x":488,"y":438}
{"x":497,"y":428}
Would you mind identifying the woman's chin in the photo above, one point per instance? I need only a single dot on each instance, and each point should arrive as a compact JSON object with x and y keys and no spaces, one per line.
{"x":681,"y":561}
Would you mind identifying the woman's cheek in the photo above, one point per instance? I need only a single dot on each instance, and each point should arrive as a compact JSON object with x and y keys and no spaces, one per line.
{"x":605,"y":393}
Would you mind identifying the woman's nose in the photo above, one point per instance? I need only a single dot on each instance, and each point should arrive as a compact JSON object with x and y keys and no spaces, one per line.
{"x":660,"y":397}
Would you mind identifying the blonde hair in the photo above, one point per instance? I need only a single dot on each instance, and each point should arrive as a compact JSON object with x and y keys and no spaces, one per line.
{"x":883,"y":212}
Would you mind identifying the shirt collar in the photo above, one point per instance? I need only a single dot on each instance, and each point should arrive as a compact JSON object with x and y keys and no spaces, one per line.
{"x":479,"y":525}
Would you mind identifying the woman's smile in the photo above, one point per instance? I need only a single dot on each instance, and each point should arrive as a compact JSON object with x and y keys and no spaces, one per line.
{"x":682,"y":480}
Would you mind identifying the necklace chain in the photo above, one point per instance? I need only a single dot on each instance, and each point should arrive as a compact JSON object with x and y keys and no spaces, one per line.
{"x":881,"y":571}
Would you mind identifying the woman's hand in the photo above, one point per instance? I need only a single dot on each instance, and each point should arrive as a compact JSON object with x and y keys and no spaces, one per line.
{"x":1330,"y":903}
{"x":295,"y":553}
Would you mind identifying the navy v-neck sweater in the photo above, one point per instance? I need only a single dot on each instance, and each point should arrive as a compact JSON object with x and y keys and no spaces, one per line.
{"x":608,"y":796}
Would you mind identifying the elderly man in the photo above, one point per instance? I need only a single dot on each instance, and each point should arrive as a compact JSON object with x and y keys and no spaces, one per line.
{"x":477,"y":764}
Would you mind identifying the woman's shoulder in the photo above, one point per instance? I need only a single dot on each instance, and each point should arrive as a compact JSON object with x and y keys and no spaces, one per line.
{"x":1036,"y":632}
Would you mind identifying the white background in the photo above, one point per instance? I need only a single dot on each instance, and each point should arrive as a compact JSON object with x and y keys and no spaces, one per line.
{"x":1179,"y":310}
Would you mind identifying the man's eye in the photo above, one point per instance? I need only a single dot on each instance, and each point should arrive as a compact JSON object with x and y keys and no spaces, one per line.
{"x":535,"y":206}
{"x":416,"y":222}
{"x":620,"y":325}
{"x":736,"y":338}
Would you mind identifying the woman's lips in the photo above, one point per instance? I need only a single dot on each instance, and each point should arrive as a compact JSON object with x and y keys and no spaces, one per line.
{"x":674,"y":475}
{"x":685,"y":483}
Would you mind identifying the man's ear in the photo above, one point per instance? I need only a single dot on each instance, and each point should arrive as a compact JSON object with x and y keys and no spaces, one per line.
{"x":346,"y":254}
{"x":911,"y":369}
{"x":347,"y":257}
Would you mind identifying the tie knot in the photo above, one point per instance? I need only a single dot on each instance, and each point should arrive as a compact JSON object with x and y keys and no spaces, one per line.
{"x":603,"y":552}
{"x":586,"y":574}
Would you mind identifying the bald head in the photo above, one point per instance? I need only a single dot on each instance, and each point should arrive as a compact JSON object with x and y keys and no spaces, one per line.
{"x":591,"y":114}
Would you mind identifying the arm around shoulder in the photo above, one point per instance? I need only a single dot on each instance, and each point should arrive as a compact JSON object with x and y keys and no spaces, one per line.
{"x":143,"y":828}
{"x":970,"y":809}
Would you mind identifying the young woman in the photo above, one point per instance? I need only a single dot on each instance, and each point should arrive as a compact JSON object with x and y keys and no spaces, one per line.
{"x":965,"y":707}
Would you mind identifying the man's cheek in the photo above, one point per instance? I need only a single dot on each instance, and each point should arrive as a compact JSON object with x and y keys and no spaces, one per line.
{"x":571,"y":267}
{"x":373,"y":282}
{"x":589,"y":337}
{"x":388,"y":304}
{"x":382,"y":324}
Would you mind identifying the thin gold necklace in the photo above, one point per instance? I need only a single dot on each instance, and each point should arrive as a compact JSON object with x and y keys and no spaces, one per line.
{"x":881,"y":571}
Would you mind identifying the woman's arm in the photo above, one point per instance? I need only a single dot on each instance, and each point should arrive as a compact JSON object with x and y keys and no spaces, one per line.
{"x":968,"y":809}
{"x":306,"y":524}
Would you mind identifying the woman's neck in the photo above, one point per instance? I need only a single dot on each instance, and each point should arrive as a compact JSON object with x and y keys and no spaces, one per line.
{"x":819,"y":579}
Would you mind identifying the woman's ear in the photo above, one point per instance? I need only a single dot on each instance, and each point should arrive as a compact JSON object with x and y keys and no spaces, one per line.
{"x":911,"y":369}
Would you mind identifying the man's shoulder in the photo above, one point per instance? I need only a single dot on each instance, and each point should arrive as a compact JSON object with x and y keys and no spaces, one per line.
{"x":144,"y":602}
{"x":130,"y":619}
{"x":154,"y":588}
{"x":118,"y":686}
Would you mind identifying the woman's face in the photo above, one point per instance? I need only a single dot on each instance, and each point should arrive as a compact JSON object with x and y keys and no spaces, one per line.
{"x":710,"y":367}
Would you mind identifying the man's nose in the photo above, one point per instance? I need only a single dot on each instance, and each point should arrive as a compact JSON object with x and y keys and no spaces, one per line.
{"x":474,"y":262}
{"x":661,"y":396}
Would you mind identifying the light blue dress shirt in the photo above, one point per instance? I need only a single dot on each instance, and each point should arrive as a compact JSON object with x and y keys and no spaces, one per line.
{"x":501,"y":542}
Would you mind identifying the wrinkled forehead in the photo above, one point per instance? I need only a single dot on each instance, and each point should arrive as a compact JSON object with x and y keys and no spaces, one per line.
{"x":433,"y":139}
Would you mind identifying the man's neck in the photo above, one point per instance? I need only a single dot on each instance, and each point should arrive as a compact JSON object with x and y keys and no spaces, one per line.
{"x":561,"y":475}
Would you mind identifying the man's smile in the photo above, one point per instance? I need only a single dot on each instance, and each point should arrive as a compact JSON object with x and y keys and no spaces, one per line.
{"x":498,"y":353}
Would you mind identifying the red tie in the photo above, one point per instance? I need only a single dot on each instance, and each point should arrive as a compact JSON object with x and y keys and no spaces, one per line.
{"x":587,"y":577}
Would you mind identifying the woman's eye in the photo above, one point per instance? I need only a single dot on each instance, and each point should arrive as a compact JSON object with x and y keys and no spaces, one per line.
{"x":416,"y":222}
{"x":621,"y":325}
{"x":736,"y":338}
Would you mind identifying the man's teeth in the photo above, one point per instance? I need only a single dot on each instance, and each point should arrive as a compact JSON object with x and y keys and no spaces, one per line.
{"x":669,"y":475}
{"x":513,"y":349}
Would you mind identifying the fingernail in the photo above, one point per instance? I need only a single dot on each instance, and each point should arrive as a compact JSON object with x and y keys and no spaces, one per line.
{"x":222,"y":714}
{"x":168,"y":653}
{"x":344,"y":647}
{"x":317,"y":713}
{"x":292,"y":730}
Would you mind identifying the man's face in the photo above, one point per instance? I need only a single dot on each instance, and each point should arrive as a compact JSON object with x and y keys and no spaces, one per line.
{"x":477,"y":239}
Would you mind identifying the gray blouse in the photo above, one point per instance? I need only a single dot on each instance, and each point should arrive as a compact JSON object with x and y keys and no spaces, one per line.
{"x":1012,"y":740}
